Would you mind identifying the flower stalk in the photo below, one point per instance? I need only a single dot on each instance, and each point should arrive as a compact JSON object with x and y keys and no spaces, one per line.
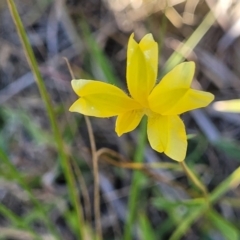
{"x":195,"y":180}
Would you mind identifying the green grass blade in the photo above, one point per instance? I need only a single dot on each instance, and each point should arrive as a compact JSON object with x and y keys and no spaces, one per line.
{"x":229,"y":183}
{"x":147,"y":232}
{"x":162,"y":33}
{"x":186,"y":48}
{"x":228,"y":230}
{"x":187,"y":222}
{"x":45,"y":97}
{"x":229,"y":147}
{"x":136,"y":180}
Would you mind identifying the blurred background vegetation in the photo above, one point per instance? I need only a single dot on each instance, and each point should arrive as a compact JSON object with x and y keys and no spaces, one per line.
{"x":93,"y":34}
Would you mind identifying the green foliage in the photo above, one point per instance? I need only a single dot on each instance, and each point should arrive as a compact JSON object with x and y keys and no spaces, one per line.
{"x":180,"y":214}
{"x":228,"y":230}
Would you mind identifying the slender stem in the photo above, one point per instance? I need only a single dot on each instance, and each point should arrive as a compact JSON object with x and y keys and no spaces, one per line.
{"x":162,"y":33}
{"x":83,"y":188}
{"x":50,"y":110}
{"x":135,"y":185}
{"x":195,"y":180}
{"x":126,"y":163}
{"x":97,"y":212}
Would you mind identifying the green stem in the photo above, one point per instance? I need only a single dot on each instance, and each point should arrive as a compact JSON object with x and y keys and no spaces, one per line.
{"x":187,"y":222}
{"x":162,"y":33}
{"x":53,"y":121}
{"x":231,"y":182}
{"x":135,"y":186}
{"x":195,"y":180}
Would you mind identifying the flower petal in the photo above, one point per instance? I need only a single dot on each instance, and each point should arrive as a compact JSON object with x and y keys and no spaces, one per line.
{"x":193,"y":99}
{"x":142,"y":61}
{"x":150,"y":50}
{"x":180,"y":76}
{"x":100,"y":99}
{"x":173,"y":96}
{"x":178,"y":101}
{"x":128,"y":121}
{"x":167,"y":134}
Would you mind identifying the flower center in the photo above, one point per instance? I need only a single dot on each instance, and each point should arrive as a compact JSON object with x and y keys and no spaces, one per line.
{"x":149,"y":112}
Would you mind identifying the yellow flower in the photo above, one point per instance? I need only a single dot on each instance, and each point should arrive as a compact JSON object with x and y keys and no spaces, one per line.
{"x":161,"y":103}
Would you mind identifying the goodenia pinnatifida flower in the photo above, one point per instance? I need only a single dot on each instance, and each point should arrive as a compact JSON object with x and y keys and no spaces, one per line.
{"x":162,"y":102}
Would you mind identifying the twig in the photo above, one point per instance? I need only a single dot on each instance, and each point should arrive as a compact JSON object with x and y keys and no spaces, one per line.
{"x":96,"y":179}
{"x":83,"y":187}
